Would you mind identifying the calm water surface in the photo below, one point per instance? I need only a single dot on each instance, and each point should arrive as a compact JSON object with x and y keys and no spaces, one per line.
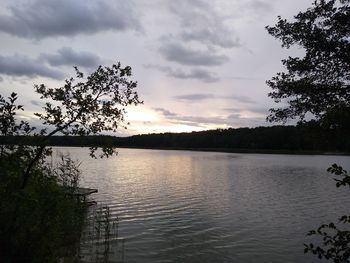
{"x":183,"y":206}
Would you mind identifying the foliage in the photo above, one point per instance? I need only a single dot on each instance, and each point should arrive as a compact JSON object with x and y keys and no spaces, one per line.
{"x":40,"y":221}
{"x":67,"y":173}
{"x":276,"y":138}
{"x":319,"y":82}
{"x":48,"y":221}
{"x":86,"y":106}
{"x":92,"y":105}
{"x":305,"y":138}
{"x":336,"y":240}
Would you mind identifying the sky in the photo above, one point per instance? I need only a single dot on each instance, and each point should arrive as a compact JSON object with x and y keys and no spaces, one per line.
{"x":199,"y":64}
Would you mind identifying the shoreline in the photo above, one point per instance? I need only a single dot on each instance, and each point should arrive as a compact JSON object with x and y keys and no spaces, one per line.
{"x":226,"y":150}
{"x":229,"y":150}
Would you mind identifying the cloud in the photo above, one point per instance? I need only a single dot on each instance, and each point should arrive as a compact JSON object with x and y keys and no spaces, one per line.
{"x":200,"y":21}
{"x":210,"y":37}
{"x":195,"y":97}
{"x":233,"y":119}
{"x":259,"y":6}
{"x":204,"y":96}
{"x":196,"y":121}
{"x":20,"y":66}
{"x":259,"y":110}
{"x":199,"y":121}
{"x":35,"y":103}
{"x":186,"y":56}
{"x":200,"y":74}
{"x":242,"y":99}
{"x":41,"y":18}
{"x":67,"y":56}
{"x":236,"y":120}
{"x":165,"y":112}
{"x":244,"y":78}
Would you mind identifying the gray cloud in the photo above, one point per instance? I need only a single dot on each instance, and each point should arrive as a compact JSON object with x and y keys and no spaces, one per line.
{"x":234,"y":119}
{"x":196,"y":121}
{"x":67,"y":56}
{"x":185,"y":56}
{"x":200,"y":74}
{"x":242,"y":99}
{"x":245,"y":78}
{"x":259,"y":6}
{"x":210,"y":37}
{"x":203,"y":96}
{"x":201,"y":22}
{"x":165,"y":112}
{"x":238,"y":121}
{"x":40,"y":18}
{"x":195,"y":97}
{"x":234,"y":116}
{"x":260,"y":110}
{"x":19,"y":66}
{"x":35,"y":103}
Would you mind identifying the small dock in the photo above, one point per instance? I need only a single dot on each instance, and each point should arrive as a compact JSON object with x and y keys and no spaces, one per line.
{"x":81,"y":192}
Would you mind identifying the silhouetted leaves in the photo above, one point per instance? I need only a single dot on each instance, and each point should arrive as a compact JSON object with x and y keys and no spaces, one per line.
{"x":88,"y":106}
{"x":39,"y":220}
{"x":335,"y":239}
{"x":319,"y":82}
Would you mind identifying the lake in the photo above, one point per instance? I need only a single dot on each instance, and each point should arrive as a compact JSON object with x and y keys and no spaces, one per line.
{"x":185,"y":206}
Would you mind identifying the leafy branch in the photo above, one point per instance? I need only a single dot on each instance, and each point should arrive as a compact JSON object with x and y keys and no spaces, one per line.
{"x":335,"y":240}
{"x":82,"y":107}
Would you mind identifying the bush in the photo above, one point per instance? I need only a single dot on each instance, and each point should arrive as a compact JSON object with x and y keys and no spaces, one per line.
{"x":41,"y":223}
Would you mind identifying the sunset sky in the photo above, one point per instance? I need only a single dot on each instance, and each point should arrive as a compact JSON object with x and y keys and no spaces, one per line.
{"x":199,"y":64}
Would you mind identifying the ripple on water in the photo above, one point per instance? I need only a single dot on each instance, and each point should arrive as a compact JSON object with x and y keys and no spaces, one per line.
{"x":180,"y":206}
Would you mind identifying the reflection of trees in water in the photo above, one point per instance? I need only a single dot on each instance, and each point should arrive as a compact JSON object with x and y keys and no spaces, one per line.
{"x":100,"y":241}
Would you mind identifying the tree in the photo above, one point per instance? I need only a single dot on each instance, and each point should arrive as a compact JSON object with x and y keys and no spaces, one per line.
{"x":86,"y":106}
{"x":39,"y":219}
{"x":319,"y":82}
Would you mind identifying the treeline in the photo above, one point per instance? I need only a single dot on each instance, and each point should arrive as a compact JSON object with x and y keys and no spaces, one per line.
{"x":300,"y":138}
{"x":275,"y":138}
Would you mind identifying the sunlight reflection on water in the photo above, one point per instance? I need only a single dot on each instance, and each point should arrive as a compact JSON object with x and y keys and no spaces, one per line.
{"x":182,"y":206}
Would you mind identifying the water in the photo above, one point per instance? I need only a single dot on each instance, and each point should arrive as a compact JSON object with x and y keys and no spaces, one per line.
{"x":183,"y":206}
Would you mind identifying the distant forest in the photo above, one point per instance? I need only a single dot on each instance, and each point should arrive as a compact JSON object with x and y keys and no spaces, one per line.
{"x":298,"y":139}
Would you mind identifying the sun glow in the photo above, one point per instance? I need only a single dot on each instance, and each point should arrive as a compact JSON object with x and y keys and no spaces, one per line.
{"x":141,"y":114}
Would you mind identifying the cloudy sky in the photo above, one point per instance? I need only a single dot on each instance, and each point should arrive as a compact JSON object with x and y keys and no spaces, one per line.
{"x":199,"y":64}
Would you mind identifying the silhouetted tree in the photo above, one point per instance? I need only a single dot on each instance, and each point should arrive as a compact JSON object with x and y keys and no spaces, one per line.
{"x":86,"y":106}
{"x":39,"y":219}
{"x":318,"y":83}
